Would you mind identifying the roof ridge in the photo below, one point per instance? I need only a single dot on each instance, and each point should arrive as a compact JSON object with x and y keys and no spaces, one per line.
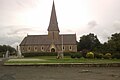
{"x":67,"y":34}
{"x":37,"y":35}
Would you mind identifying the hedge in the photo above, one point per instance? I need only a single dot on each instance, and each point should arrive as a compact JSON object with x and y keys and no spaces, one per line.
{"x":98,"y":55}
{"x":76,"y":55}
{"x":116,"y":55}
{"x":33,"y":54}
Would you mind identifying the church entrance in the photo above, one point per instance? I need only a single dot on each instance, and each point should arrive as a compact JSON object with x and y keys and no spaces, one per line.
{"x":52,"y":50}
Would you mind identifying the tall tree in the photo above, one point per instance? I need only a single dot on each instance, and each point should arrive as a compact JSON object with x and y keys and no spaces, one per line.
{"x":89,"y":42}
{"x":4,"y":48}
{"x":114,"y":43}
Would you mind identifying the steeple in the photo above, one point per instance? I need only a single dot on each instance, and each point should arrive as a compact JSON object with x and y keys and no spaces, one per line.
{"x":53,"y":25}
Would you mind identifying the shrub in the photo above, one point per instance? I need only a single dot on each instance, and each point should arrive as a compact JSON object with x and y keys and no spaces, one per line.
{"x":84,"y":52}
{"x":116,"y":55}
{"x":76,"y":55}
{"x":107,"y":56}
{"x":99,"y":56}
{"x":1,"y":55}
{"x":90,"y":55}
{"x":33,"y":54}
{"x":73,"y":56}
{"x":68,"y":53}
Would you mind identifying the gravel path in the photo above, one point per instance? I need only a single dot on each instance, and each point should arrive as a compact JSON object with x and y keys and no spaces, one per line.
{"x":58,"y":73}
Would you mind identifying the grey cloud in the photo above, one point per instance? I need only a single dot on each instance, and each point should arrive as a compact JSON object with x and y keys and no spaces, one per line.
{"x":18,"y":31}
{"x":5,"y":38}
{"x":105,"y":31}
{"x":9,"y":40}
{"x":10,"y":35}
{"x":92,"y":24}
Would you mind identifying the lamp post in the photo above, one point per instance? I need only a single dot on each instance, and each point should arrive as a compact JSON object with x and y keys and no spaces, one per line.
{"x":60,"y":53}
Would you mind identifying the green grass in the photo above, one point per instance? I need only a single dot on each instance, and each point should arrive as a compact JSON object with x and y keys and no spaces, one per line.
{"x":52,"y":59}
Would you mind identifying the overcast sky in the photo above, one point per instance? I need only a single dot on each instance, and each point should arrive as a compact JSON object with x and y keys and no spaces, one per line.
{"x":21,"y":17}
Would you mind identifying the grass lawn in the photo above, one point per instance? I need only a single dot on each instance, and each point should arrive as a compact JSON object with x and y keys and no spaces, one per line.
{"x":52,"y":59}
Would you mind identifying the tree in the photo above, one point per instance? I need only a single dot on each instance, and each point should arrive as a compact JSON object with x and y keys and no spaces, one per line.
{"x":88,"y":42}
{"x":4,"y":48}
{"x":114,"y":43}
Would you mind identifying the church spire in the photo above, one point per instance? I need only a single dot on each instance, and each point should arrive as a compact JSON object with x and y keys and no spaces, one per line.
{"x":53,"y":25}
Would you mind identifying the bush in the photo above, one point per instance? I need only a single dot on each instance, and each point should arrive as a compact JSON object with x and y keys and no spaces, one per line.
{"x":99,"y":56}
{"x":1,"y":54}
{"x":33,"y":54}
{"x":38,"y":54}
{"x":73,"y":55}
{"x":90,"y":55}
{"x":107,"y":56}
{"x":116,"y":55}
{"x":84,"y":52}
{"x":68,"y":53}
{"x":76,"y":55}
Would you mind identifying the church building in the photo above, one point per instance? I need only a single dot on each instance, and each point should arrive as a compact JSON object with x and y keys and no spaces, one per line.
{"x":52,"y":42}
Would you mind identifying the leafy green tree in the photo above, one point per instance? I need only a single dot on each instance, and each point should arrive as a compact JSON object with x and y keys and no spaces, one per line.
{"x":88,"y":42}
{"x":4,"y":48}
{"x":103,"y":48}
{"x":114,"y":43}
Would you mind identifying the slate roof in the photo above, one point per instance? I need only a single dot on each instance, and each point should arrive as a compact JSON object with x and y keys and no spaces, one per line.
{"x":68,"y":39}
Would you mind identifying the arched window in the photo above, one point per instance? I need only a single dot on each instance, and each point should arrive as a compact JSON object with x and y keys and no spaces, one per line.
{"x":42,"y":48}
{"x":63,"y":48}
{"x":35,"y":48}
{"x":29,"y":48}
{"x":70,"y":48}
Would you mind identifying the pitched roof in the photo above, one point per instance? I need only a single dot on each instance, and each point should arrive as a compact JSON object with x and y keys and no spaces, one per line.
{"x":69,"y":39}
{"x":53,"y":25}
